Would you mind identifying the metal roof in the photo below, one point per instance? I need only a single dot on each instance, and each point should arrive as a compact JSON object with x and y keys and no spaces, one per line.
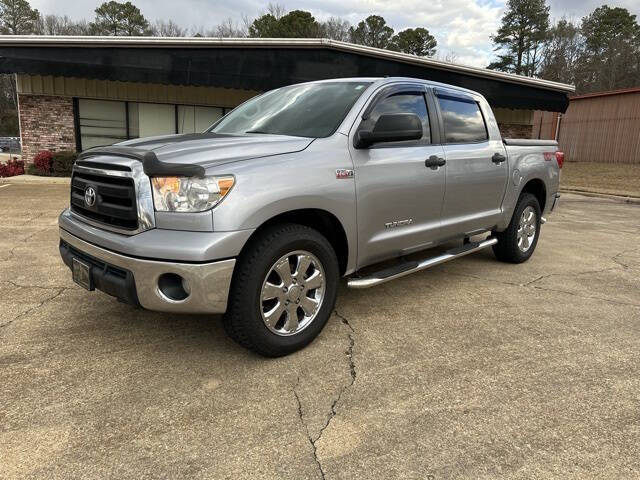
{"x":258,"y":64}
{"x":606,"y":93}
{"x":203,"y":42}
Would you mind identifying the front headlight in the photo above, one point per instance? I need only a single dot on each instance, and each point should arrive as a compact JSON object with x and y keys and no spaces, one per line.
{"x":189,"y":194}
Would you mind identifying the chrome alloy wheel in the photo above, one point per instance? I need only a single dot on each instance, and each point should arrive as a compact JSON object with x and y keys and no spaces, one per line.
{"x":292,"y":293}
{"x":527,"y":229}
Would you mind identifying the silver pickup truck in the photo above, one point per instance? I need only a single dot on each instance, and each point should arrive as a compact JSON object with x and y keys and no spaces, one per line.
{"x":260,"y":216}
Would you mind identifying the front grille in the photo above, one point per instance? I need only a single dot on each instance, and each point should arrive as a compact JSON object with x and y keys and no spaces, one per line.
{"x":115,"y":201}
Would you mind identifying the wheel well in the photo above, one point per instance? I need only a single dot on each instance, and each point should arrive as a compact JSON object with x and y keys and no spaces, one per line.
{"x":322,"y":221}
{"x":537,"y":189}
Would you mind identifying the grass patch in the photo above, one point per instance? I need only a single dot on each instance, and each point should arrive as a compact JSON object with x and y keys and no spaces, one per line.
{"x":610,"y":178}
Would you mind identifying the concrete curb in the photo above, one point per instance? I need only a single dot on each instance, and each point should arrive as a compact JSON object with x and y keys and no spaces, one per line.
{"x":35,"y":180}
{"x":617,"y":198}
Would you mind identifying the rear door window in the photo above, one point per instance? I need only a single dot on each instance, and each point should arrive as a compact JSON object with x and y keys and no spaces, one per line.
{"x":463,"y":120}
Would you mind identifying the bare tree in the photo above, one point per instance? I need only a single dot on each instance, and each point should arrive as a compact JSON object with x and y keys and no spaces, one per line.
{"x":562,"y":52}
{"x":164,"y":28}
{"x":230,"y":28}
{"x":276,"y":10}
{"x":336,"y":28}
{"x":62,"y":25}
{"x":450,"y":56}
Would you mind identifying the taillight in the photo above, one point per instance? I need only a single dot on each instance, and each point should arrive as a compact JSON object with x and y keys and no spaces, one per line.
{"x":560,"y":158}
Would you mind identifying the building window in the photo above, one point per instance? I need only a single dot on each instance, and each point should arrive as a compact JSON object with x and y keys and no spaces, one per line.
{"x":105,"y":122}
{"x":155,"y":119}
{"x":197,"y":119}
{"x":102,"y":122}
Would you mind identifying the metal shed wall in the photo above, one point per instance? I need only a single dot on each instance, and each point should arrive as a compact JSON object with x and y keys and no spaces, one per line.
{"x":602,"y":128}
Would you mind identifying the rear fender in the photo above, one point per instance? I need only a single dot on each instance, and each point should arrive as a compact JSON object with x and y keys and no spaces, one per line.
{"x":526,"y":164}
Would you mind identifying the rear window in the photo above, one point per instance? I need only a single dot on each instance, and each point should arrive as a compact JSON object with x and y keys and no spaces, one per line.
{"x":463,"y":120}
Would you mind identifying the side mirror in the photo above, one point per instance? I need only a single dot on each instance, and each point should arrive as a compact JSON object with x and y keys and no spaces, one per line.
{"x":391,"y":127}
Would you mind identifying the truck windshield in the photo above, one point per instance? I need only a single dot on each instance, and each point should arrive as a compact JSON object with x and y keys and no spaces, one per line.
{"x":312,"y":110}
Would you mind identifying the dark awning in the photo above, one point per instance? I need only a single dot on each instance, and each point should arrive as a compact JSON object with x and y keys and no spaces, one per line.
{"x":259,"y":65}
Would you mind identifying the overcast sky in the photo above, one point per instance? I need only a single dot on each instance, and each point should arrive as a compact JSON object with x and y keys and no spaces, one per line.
{"x":462,"y":27}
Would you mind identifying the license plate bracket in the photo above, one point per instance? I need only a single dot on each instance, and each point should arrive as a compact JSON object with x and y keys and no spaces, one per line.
{"x":81,"y":273}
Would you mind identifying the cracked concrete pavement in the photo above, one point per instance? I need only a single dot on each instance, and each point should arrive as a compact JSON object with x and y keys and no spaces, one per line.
{"x":474,"y":369}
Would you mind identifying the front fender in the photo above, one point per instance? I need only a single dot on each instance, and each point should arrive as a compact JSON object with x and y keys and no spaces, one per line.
{"x":271,"y":186}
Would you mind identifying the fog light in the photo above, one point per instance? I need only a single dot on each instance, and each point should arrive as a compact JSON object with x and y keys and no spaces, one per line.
{"x":173,"y":286}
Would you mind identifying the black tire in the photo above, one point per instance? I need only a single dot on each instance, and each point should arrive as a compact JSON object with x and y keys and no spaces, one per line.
{"x":243,"y":321}
{"x":507,"y":249}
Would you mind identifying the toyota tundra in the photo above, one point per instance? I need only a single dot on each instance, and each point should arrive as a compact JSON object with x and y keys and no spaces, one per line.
{"x":259,"y":216}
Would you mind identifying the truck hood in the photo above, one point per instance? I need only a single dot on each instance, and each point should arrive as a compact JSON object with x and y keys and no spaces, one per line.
{"x":212,"y":149}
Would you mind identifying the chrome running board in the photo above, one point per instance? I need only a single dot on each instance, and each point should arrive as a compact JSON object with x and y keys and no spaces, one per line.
{"x":409,"y":267}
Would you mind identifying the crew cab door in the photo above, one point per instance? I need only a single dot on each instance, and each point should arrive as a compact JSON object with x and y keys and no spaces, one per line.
{"x":399,"y":186}
{"x":476,"y":173}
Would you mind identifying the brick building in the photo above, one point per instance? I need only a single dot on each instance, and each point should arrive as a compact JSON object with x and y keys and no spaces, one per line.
{"x":79,"y":92}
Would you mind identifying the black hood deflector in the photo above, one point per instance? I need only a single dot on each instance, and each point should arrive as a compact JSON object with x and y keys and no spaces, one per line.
{"x":151,"y":165}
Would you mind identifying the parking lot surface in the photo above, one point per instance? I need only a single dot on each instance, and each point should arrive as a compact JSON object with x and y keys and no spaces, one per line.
{"x":475,"y":369}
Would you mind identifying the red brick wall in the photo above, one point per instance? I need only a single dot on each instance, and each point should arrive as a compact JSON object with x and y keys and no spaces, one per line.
{"x":512,"y":130}
{"x":46,"y":123}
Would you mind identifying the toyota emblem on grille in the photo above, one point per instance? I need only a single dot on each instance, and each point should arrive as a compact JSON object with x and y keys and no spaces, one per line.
{"x":90,"y":196}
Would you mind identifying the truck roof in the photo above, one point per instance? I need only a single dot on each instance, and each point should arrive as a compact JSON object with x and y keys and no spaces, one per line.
{"x":377,"y":81}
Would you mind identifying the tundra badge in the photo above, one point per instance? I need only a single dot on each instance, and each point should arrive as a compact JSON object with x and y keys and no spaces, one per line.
{"x":399,"y":223}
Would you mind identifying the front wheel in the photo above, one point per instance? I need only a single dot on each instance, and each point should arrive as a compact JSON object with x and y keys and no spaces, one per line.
{"x":283,"y":291}
{"x":517,"y":243}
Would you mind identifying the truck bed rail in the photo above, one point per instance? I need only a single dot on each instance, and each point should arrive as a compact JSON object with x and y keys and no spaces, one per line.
{"x":524,"y":142}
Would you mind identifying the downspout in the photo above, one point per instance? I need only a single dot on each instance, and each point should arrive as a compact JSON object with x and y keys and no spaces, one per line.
{"x":540,"y":125}
{"x":556,"y":134}
{"x":19,"y":116}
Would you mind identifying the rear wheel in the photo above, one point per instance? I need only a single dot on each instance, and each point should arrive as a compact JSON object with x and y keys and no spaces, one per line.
{"x":517,"y":243}
{"x":283,"y":290}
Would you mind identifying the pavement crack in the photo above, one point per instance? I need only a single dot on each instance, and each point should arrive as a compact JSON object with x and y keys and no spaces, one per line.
{"x":537,"y":279}
{"x":332,"y":411}
{"x":616,"y":257}
{"x":577,"y":274}
{"x":531,"y":282}
{"x":468,"y":275}
{"x":306,"y":429}
{"x":39,"y":305}
{"x":352,"y":372}
{"x":42,"y":287}
{"x":11,"y":251}
{"x":37,"y":216}
{"x":344,"y":320}
{"x":589,"y":297}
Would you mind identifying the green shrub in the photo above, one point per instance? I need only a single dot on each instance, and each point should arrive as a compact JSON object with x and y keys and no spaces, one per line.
{"x":63,"y":163}
{"x":33,"y":170}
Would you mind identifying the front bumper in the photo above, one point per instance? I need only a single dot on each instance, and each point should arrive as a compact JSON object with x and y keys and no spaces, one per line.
{"x":135,"y":280}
